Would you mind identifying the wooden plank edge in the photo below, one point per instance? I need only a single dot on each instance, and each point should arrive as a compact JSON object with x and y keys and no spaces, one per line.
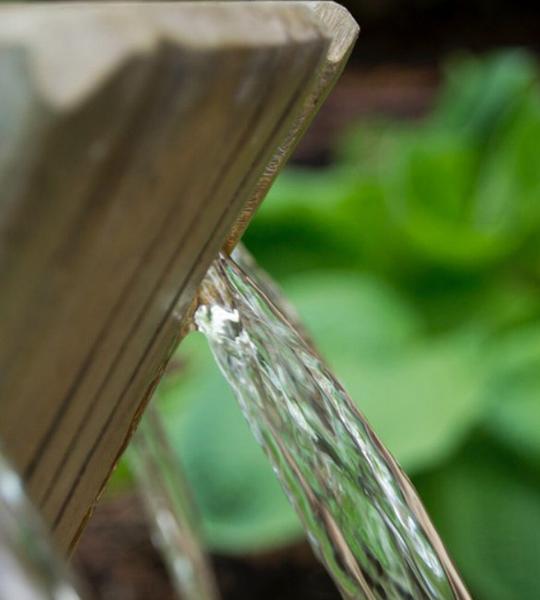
{"x":342,"y":29}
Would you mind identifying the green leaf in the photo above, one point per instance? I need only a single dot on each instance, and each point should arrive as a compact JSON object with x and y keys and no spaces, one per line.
{"x":434,"y":176}
{"x":461,"y":189}
{"x":508,"y":187}
{"x":353,"y":315}
{"x":430,"y":197}
{"x":301,"y":224}
{"x":487,"y":510}
{"x":508,"y":303}
{"x":480,"y":92}
{"x":423,"y":405}
{"x":514,"y":392}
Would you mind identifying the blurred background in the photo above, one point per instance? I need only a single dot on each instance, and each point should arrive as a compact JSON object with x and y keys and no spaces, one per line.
{"x":406,"y":231}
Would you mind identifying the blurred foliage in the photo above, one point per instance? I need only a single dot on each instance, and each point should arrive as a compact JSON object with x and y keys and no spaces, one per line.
{"x":415,"y":263}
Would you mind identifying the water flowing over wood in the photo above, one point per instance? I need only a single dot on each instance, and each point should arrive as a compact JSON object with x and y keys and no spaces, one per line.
{"x":131,"y":138}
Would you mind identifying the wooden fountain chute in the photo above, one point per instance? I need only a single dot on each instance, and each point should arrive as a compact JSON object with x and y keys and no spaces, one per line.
{"x":135,"y":141}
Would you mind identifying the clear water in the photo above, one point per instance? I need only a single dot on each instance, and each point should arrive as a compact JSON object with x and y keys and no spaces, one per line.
{"x":29,"y":567}
{"x":361,"y":515}
{"x":169,"y":505}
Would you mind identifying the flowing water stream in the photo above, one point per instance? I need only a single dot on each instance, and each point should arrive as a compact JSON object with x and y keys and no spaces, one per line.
{"x":363,"y":518}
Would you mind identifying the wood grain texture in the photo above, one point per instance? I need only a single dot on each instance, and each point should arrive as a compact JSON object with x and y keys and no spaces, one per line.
{"x":131,"y":137}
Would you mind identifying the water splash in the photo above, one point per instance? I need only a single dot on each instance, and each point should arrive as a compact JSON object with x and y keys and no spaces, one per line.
{"x":169,"y":504}
{"x":29,"y":567}
{"x":361,"y":514}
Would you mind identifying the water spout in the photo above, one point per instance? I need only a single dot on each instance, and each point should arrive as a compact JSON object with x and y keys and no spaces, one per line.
{"x":362,"y":516}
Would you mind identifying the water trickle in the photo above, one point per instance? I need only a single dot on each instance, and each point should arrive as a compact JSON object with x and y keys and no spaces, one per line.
{"x":361,"y":514}
{"x":169,"y":505}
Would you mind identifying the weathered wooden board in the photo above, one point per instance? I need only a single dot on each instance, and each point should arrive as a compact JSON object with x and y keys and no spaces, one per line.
{"x":131,"y":137}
